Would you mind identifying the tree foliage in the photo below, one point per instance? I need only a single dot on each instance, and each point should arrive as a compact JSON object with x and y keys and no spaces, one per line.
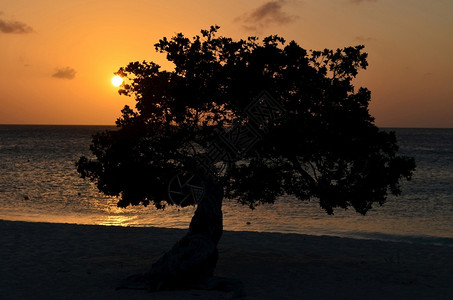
{"x":326,"y":147}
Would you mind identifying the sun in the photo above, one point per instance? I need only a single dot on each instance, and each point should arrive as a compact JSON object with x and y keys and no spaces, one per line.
{"x":117,"y":80}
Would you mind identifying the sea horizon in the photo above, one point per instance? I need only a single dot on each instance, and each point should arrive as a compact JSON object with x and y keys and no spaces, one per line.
{"x":114,"y":125}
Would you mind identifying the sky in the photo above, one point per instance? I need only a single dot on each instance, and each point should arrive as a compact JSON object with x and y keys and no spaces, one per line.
{"x":57,"y":58}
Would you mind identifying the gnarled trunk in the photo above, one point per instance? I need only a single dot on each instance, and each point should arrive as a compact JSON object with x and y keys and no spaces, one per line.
{"x":191,"y":262}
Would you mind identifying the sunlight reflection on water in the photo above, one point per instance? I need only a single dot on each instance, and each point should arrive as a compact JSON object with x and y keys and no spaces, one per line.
{"x":39,"y":183}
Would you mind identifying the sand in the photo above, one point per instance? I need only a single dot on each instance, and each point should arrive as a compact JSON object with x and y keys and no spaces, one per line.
{"x":63,"y":261}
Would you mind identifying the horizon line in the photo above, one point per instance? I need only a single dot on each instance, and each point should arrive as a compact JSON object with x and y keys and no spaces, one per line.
{"x":114,"y":125}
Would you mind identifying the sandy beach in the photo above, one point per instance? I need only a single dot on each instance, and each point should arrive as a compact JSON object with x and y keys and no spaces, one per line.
{"x":63,"y":261}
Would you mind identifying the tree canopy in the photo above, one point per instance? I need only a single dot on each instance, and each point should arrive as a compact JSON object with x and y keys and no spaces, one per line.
{"x":321,"y":143}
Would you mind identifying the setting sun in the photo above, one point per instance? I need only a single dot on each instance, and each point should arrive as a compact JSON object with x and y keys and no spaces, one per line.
{"x":117,"y":80}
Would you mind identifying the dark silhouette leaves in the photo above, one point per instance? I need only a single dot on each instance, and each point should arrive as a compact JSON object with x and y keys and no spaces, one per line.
{"x":326,"y":147}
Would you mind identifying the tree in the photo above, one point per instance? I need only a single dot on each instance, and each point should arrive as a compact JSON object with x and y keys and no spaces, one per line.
{"x":314,"y":137}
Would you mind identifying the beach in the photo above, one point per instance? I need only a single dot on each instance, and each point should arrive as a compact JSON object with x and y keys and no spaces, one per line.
{"x":65,"y":261}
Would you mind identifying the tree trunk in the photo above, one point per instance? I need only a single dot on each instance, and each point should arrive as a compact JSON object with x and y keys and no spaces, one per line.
{"x":191,"y":262}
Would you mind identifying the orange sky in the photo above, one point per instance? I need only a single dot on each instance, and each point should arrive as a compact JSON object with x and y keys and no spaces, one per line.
{"x":57,"y":57}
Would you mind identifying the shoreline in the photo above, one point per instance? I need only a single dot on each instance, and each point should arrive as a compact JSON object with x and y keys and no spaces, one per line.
{"x":68,"y":261}
{"x":356,"y":235}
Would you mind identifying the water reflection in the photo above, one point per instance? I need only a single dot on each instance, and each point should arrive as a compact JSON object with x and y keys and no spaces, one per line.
{"x":39,"y":183}
{"x":119,"y":220}
{"x":171,"y":217}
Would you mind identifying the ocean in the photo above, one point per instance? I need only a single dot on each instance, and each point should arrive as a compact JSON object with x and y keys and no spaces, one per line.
{"x":39,"y":183}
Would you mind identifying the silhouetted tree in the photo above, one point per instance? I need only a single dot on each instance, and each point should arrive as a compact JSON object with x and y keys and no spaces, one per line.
{"x":316,"y":141}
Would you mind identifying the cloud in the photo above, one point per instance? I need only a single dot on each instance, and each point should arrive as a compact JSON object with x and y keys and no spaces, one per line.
{"x":270,"y":12}
{"x":14,"y":27}
{"x":64,"y":73}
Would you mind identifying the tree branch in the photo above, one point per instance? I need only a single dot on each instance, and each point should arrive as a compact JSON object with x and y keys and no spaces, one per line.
{"x":307,"y":177}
